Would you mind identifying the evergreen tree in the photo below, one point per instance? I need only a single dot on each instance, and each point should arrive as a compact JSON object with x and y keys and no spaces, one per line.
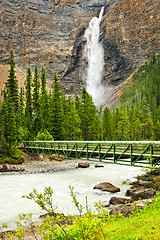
{"x":146,"y":120}
{"x":72,"y":130}
{"x":77,"y":103}
{"x":44,"y":111}
{"x":12,"y":84}
{"x":36,"y":103}
{"x":2,"y":140}
{"x":44,"y":102}
{"x":29,"y":107}
{"x":90,"y":124}
{"x":36,"y":91}
{"x":43,"y":80}
{"x":21,"y":106}
{"x":115,"y":119}
{"x":123,"y":127}
{"x":10,"y":131}
{"x":156,"y":124}
{"x":56,"y":111}
{"x":107,"y":125}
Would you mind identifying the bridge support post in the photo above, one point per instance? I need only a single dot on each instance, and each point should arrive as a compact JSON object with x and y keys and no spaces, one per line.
{"x":114,"y":154}
{"x":67,"y":150}
{"x":58,"y":149}
{"x":131,"y":153}
{"x":99,"y":150}
{"x":87,"y":151}
{"x":51,"y":148}
{"x":151,"y":149}
{"x":76,"y":150}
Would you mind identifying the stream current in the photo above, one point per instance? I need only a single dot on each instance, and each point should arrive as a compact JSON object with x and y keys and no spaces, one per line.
{"x":13,"y":187}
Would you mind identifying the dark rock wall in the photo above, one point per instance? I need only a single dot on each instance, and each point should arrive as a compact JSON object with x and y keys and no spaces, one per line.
{"x":134,"y":27}
{"x":51,"y":33}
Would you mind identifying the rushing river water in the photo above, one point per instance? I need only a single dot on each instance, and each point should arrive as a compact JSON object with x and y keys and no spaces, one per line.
{"x":12,"y":187}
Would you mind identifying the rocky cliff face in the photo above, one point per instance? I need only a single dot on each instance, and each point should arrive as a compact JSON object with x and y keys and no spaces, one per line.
{"x":51,"y":33}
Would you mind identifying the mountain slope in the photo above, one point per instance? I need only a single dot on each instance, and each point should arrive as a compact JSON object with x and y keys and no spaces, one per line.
{"x":51,"y":33}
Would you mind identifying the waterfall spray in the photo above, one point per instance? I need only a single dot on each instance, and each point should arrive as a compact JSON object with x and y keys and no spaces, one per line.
{"x":95,"y":56}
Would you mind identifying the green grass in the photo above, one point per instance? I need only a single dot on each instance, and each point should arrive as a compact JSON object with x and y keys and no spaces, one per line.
{"x":142,"y":225}
{"x":145,"y":226}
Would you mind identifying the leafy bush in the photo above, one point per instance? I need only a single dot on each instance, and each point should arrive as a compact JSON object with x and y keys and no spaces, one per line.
{"x":11,"y":156}
{"x":44,"y":135}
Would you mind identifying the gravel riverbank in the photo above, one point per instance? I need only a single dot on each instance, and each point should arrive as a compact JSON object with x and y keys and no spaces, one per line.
{"x":39,"y":164}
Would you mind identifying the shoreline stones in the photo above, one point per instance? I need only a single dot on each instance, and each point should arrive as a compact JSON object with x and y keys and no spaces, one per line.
{"x":106,"y":186}
{"x":119,"y":200}
{"x":7,"y":168}
{"x":34,"y":167}
{"x":143,"y":193}
{"x":139,"y":190}
{"x":123,"y":209}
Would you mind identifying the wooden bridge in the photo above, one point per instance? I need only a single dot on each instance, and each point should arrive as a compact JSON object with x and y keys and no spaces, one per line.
{"x":136,"y":153}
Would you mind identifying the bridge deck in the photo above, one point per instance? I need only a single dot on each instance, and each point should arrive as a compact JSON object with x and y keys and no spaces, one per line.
{"x":136,"y":153}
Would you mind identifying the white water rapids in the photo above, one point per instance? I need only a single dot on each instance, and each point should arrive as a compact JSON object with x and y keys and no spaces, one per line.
{"x":12,"y":187}
{"x":95,"y":56}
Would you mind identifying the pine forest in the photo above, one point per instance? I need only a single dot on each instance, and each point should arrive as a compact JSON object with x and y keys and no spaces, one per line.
{"x":33,"y":113}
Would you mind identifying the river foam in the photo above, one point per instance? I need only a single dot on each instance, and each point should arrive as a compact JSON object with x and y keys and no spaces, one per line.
{"x":12,"y":187}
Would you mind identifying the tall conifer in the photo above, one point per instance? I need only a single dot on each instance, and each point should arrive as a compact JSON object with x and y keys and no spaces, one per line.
{"x":106,"y":125}
{"x":56,"y":111}
{"x":72,"y":123}
{"x":89,"y":118}
{"x":43,"y":80}
{"x":10,"y":131}
{"x":36,"y":90}
{"x":12,"y":84}
{"x":29,"y":106}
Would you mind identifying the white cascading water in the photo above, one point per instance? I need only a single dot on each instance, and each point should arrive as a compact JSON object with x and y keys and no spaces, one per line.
{"x":13,"y":187}
{"x":95,"y":56}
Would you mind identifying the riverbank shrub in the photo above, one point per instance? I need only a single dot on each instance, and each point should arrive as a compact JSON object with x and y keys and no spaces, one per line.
{"x":11,"y":156}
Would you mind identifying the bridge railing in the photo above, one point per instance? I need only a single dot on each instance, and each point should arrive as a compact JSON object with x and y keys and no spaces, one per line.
{"x":121,"y":152}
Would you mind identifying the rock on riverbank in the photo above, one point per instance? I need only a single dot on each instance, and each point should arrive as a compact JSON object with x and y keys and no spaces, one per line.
{"x":140,"y":193}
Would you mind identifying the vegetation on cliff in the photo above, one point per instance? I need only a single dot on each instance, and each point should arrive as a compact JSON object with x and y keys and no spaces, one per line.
{"x":145,"y":84}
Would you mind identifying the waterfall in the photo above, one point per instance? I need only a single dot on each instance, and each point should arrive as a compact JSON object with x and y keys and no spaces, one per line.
{"x":95,"y":57}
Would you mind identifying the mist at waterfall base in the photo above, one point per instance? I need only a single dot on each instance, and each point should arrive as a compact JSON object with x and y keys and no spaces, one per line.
{"x":13,"y":187}
{"x":95,"y":57}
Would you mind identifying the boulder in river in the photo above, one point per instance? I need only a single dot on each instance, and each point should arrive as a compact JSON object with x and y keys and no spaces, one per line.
{"x":98,"y":165}
{"x":83,"y":165}
{"x":106,"y":186}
